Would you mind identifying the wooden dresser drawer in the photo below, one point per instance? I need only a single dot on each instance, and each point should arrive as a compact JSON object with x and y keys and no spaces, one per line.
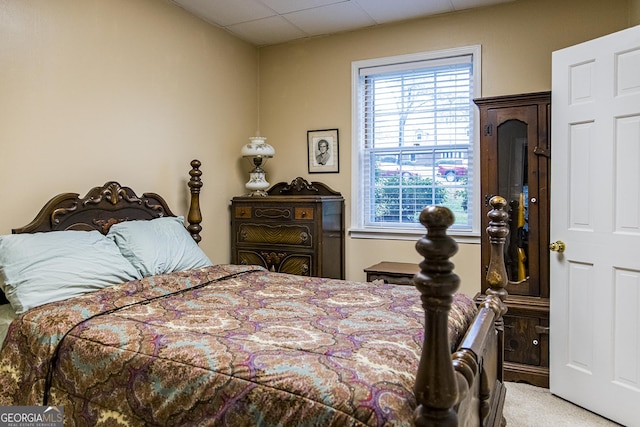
{"x":298,"y":213}
{"x":279,"y":261}
{"x":242,"y":212}
{"x":276,"y":234}
{"x":273,"y":213}
{"x":304,"y":213}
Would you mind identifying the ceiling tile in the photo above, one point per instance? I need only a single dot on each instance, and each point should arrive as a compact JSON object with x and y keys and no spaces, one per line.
{"x":330,"y":19}
{"x":384,"y":11}
{"x":267,"y":31}
{"x":287,"y":6}
{"x":227,"y":12}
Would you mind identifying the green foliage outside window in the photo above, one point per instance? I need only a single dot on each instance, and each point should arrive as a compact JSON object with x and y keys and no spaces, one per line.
{"x":401,"y":199}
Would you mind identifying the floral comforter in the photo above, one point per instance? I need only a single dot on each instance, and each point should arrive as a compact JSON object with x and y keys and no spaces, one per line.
{"x":224,"y":345}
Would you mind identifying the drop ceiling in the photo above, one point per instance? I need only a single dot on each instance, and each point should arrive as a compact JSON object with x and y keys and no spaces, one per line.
{"x":268,"y":22}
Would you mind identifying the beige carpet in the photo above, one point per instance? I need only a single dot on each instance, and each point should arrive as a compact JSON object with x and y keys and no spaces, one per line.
{"x":529,"y":406}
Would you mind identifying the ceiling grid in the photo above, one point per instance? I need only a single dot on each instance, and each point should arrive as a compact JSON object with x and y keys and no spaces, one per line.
{"x":268,"y":22}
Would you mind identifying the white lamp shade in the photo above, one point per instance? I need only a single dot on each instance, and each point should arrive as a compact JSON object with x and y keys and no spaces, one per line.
{"x":257,"y":148}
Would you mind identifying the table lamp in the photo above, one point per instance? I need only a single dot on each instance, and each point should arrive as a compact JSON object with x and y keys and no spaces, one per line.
{"x":257,"y":152}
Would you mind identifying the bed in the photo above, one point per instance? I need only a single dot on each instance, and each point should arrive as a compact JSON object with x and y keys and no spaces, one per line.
{"x":152,"y":333}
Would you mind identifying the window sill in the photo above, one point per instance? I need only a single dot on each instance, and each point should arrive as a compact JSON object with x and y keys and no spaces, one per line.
{"x":407,"y":234}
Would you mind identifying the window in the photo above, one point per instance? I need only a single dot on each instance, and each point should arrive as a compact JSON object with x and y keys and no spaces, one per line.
{"x":414,"y":141}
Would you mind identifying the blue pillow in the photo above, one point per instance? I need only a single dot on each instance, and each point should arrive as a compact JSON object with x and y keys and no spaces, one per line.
{"x":159,"y":246}
{"x":44,"y":267}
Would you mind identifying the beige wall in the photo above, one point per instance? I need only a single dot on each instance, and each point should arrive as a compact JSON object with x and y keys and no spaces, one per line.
{"x":132,"y":90}
{"x":125,"y":90}
{"x":634,"y":14}
{"x":307,"y":85}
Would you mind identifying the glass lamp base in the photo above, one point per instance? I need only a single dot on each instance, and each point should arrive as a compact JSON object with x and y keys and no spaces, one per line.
{"x":257,"y":184}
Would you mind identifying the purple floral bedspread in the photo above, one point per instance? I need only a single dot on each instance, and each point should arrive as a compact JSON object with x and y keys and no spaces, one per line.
{"x":225,"y":345}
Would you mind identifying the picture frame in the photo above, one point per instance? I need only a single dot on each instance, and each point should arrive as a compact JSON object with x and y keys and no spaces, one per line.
{"x":323,"y":151}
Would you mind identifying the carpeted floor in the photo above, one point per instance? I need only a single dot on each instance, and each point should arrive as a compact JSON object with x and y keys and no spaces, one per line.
{"x":529,"y":406}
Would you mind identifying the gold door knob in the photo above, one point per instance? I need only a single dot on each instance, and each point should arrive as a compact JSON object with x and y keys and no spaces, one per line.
{"x":558,"y":246}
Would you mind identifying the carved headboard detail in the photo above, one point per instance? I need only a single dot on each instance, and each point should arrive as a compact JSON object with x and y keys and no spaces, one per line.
{"x":98,"y":210}
{"x":301,"y":187}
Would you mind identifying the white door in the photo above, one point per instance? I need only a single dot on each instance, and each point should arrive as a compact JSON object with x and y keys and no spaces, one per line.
{"x":595,"y":211}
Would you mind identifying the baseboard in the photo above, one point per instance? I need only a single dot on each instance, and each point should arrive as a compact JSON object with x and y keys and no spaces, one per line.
{"x":534,"y":375}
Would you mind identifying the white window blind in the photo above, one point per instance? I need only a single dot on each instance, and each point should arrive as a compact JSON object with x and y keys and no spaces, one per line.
{"x":415,"y":121}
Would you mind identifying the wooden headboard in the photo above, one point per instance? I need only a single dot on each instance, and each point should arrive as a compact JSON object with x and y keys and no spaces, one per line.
{"x":110,"y":204}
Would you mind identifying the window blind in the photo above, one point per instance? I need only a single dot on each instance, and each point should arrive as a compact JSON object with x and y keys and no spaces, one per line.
{"x":416,"y":139}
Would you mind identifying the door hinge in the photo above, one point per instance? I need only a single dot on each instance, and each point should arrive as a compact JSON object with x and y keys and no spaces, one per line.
{"x":542,"y":152}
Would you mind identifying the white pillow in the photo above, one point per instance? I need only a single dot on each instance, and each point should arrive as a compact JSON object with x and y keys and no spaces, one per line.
{"x":44,"y":267}
{"x":159,"y":246}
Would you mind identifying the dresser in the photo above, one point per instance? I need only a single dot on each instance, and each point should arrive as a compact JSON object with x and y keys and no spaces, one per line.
{"x":297,"y":228}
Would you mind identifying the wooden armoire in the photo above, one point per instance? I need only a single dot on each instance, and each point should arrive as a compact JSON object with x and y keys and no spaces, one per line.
{"x":515,"y":164}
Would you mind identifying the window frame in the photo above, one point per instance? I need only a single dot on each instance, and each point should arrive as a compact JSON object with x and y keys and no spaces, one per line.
{"x":358,"y":229}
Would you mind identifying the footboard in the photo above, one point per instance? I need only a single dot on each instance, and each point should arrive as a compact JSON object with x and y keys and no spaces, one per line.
{"x":465,"y":388}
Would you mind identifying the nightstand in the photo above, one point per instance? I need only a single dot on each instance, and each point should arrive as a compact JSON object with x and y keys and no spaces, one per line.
{"x":399,"y":273}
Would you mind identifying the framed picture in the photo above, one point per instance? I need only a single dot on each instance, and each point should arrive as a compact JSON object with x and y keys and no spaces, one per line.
{"x":322,"y":147}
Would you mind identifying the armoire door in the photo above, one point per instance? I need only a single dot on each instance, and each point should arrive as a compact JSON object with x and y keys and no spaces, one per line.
{"x":515,"y":157}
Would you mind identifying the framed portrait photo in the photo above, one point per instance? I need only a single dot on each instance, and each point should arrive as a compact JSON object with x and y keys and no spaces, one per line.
{"x":322,"y":147}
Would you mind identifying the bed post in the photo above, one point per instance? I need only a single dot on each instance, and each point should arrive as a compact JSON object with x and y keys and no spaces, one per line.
{"x":436,"y":389}
{"x":493,"y":392}
{"x":497,"y":230}
{"x":497,"y":279}
{"x":444,"y":382}
{"x":195,"y":215}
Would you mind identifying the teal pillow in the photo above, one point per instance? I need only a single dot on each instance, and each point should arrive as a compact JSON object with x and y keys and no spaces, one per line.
{"x":159,"y":246}
{"x":39,"y":268}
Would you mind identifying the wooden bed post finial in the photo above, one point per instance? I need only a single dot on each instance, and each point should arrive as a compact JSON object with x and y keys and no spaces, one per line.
{"x":436,"y":388}
{"x":497,"y":230}
{"x":195,"y":215}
